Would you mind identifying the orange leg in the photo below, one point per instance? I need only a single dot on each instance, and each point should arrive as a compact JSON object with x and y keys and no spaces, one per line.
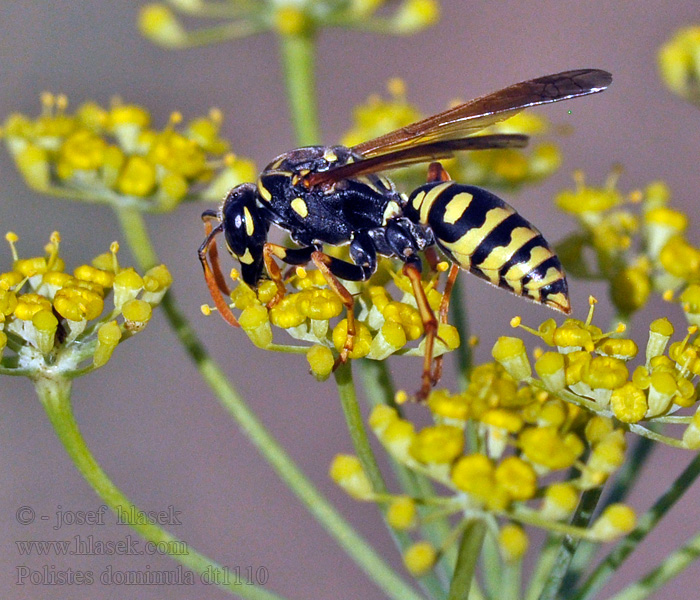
{"x":436,"y":172}
{"x":213,"y":275}
{"x":323,"y":263}
{"x":432,"y":368}
{"x":270,"y":250}
{"x":430,"y":326}
{"x":445,"y":304}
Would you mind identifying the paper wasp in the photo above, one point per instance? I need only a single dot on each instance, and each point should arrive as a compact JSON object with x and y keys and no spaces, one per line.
{"x":334,"y":195}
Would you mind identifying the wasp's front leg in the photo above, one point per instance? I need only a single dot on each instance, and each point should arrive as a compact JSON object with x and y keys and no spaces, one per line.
{"x":291,"y":256}
{"x":212,"y":274}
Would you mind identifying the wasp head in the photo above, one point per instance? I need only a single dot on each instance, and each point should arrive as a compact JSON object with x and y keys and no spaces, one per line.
{"x":245,"y":230}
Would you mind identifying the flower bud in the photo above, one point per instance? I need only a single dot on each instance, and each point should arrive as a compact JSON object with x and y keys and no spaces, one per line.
{"x":660,"y":332}
{"x":511,"y":353}
{"x":550,"y":368}
{"x":401,"y":513}
{"x":347,"y":472}
{"x":255,"y":322}
{"x":616,"y":520}
{"x":512,"y":542}
{"x":108,"y":336}
{"x":320,"y":359}
{"x":420,"y":558}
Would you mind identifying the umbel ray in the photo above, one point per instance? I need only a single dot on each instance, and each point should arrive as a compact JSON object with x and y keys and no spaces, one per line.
{"x":335,"y":195}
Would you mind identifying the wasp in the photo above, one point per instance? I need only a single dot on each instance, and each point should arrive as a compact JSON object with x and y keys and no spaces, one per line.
{"x":335,"y":195}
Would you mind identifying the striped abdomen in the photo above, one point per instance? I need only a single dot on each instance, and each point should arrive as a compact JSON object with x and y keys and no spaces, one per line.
{"x":485,"y":235}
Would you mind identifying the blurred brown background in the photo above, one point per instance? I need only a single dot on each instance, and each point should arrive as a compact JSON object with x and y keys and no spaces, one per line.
{"x":154,"y":426}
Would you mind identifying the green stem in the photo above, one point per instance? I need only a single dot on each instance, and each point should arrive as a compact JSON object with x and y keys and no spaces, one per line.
{"x":626,"y":477}
{"x":298,"y":59}
{"x":358,"y":434}
{"x":567,"y":549}
{"x":467,"y":557}
{"x":645,"y":525}
{"x":379,"y":389}
{"x":55,"y":396}
{"x":348,"y":539}
{"x":511,"y":580}
{"x":543,"y":567}
{"x":353,"y":417}
{"x":667,"y":570}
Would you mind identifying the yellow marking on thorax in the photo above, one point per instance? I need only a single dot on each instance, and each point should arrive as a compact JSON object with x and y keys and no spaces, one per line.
{"x":429,"y":199}
{"x":455,"y":208}
{"x":246,"y":258}
{"x":500,"y":255}
{"x":277,"y":163}
{"x":538,"y":255}
{"x":392,"y":210}
{"x":299,"y":206}
{"x":249,"y":225}
{"x":264,"y":192}
{"x":470,"y":241}
{"x":330,"y":156}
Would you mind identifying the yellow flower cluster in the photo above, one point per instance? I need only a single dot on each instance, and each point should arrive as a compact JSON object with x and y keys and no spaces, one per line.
{"x":679,"y":63}
{"x":114,"y":154}
{"x":55,"y":322}
{"x":312,"y":313}
{"x":590,"y":369}
{"x":524,"y":443}
{"x":636,"y":254}
{"x":160,"y":24}
{"x":506,"y":168}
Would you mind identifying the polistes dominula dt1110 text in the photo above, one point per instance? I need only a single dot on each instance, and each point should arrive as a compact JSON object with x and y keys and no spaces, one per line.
{"x":334,"y":195}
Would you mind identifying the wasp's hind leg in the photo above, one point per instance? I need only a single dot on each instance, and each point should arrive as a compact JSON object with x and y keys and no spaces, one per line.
{"x":212,"y":274}
{"x":432,"y":367}
{"x":291,"y":256}
{"x":412,"y":270}
{"x":437,"y":173}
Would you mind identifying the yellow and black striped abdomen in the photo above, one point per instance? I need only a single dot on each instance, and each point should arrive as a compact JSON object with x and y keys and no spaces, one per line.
{"x":485,"y":235}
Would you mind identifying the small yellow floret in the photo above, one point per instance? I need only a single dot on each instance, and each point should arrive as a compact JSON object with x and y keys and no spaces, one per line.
{"x":320,"y":359}
{"x":512,"y":542}
{"x":347,"y":472}
{"x":438,"y":444}
{"x":420,"y":558}
{"x":545,"y":446}
{"x":511,"y":353}
{"x":474,"y":474}
{"x":401,"y":513}
{"x":616,"y":520}
{"x":517,"y":478}
{"x":136,"y":314}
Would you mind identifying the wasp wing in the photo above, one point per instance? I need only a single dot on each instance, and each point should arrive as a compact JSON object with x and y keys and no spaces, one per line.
{"x":416,"y":154}
{"x":466,"y":119}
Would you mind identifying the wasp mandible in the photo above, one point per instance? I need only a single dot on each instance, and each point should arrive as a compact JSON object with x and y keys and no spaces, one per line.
{"x":334,"y":195}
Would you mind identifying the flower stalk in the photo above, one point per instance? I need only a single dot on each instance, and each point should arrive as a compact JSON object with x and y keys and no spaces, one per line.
{"x":55,"y":395}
